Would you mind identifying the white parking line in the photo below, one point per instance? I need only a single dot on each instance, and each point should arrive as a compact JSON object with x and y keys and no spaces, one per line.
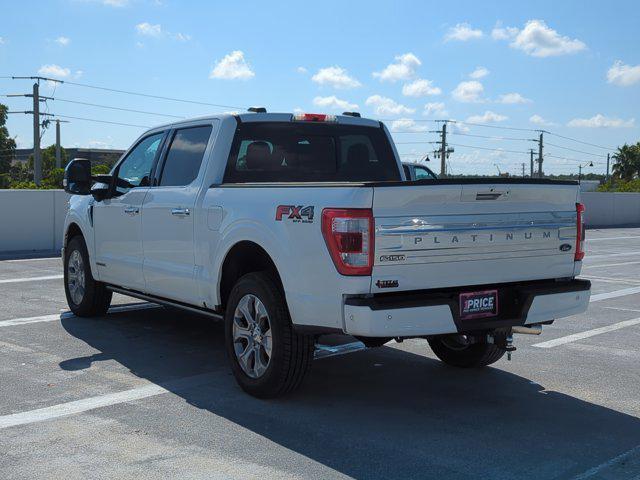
{"x":614,"y":462}
{"x":610,"y":265}
{"x":611,"y":238}
{"x":60,"y":316}
{"x":607,"y":255}
{"x":614,"y":294}
{"x":31,"y":279}
{"x":631,"y":281}
{"x":91,"y":403}
{"x":589,"y":333}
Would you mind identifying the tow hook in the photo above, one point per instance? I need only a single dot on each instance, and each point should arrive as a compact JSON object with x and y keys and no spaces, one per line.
{"x":508,"y":347}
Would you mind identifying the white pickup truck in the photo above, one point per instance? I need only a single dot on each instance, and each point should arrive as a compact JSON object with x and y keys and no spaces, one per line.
{"x":291,"y":226}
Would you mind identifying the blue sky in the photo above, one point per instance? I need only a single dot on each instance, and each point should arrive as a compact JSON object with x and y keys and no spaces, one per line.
{"x":572,"y":68}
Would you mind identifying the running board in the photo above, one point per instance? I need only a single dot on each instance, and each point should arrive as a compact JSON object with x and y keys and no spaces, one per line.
{"x":166,"y":302}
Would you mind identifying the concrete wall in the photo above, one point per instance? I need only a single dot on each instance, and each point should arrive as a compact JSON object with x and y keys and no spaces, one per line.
{"x":32,"y":219}
{"x":604,"y":209}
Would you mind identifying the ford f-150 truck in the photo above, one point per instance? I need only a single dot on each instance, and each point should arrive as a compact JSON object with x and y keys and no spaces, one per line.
{"x":291,"y":226}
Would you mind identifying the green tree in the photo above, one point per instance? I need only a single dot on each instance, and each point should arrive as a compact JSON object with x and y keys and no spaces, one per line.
{"x":48,"y":156}
{"x":627,"y":162}
{"x":7,"y":144}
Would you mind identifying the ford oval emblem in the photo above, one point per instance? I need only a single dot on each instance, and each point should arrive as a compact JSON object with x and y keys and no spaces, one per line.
{"x":565,"y":247}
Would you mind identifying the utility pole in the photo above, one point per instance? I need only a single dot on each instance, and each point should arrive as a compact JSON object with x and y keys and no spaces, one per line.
{"x":37,"y":161}
{"x":35,"y":95}
{"x":606,"y":177}
{"x":443,"y":150}
{"x":540,"y":158}
{"x":531,"y":162}
{"x":523,"y":175}
{"x":58,"y":154}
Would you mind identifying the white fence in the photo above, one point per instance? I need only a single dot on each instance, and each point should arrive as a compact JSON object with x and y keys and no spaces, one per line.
{"x":604,"y":209}
{"x":32,"y":220}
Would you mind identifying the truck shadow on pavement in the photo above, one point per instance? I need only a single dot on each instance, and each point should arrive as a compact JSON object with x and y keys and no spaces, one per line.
{"x":380,"y":413}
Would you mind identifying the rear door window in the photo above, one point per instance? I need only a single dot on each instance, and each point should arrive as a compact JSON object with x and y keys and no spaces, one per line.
{"x":424,"y":174}
{"x":310,"y":152}
{"x":184,"y":156}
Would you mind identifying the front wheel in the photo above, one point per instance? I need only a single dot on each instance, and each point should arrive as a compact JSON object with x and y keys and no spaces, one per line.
{"x":458,"y":351}
{"x":86,"y":297}
{"x":268,"y":357}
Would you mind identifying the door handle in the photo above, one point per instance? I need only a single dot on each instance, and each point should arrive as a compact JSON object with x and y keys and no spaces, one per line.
{"x":132,"y":210}
{"x":181,"y":212}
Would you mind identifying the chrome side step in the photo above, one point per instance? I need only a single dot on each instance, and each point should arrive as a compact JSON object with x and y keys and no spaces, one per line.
{"x":165,"y":302}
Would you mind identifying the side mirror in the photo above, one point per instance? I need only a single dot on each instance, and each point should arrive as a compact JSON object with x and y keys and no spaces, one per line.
{"x":77,"y":177}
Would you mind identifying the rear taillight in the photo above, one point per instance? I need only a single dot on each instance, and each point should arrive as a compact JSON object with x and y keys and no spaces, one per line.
{"x":348,"y":234}
{"x":580,"y":229}
{"x":314,"y":117}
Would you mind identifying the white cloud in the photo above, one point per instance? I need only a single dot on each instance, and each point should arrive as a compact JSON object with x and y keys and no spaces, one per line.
{"x":420,"y":88}
{"x":539,"y":40}
{"x":335,"y":76}
{"x":469,"y":92}
{"x":386,"y":106}
{"x":538,"y":120}
{"x":408,"y":125}
{"x":435,"y":108}
{"x":479,"y":73}
{"x":53,"y":70}
{"x":334,"y":102}
{"x":233,"y":66}
{"x":149,"y":30}
{"x":301,"y":70}
{"x":623,"y":75}
{"x":487,"y":117}
{"x":463,"y":32}
{"x":1,"y":41}
{"x":404,"y":68}
{"x":503,"y":33}
{"x":64,"y":41}
{"x":512,"y":98}
{"x":601,"y":121}
{"x":182,"y":37}
{"x":115,"y":3}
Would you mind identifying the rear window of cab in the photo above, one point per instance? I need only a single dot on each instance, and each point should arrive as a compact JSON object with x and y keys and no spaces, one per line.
{"x":309,"y":152}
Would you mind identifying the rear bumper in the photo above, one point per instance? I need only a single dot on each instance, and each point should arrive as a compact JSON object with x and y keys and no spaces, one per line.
{"x":435,"y":312}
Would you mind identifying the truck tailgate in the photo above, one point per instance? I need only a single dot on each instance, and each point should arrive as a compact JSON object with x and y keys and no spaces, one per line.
{"x":458,"y":234}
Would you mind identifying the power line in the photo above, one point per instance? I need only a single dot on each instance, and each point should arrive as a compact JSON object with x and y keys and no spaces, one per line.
{"x":577,"y":151}
{"x":580,"y":141}
{"x":492,"y":149}
{"x":494,"y":126}
{"x":116,"y":108}
{"x":160,"y":97}
{"x":99,"y":121}
{"x":491,"y":137}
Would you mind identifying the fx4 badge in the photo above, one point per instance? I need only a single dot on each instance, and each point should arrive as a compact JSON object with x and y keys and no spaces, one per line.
{"x":298,"y":214}
{"x":387,"y":283}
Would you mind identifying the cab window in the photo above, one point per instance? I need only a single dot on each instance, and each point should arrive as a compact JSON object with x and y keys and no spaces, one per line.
{"x":135,"y":169}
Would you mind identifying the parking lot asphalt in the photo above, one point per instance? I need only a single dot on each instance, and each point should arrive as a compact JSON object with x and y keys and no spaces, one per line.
{"x":145,"y":392}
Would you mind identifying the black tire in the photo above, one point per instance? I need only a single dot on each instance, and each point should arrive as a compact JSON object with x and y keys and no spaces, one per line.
{"x":291,"y":352}
{"x":475,"y":355}
{"x":95,"y":298}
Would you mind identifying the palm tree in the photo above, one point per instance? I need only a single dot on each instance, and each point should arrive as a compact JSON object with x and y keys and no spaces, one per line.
{"x":627,"y":162}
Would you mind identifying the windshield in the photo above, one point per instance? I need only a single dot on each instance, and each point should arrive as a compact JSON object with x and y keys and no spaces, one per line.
{"x":310,"y":152}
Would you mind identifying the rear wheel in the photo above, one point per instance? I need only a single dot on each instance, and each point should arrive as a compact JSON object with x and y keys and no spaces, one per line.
{"x":459,"y":351}
{"x":86,"y":297}
{"x":268,"y":358}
